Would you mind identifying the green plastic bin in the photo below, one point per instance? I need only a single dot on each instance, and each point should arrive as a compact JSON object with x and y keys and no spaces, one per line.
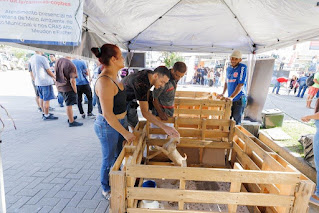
{"x":272,"y":118}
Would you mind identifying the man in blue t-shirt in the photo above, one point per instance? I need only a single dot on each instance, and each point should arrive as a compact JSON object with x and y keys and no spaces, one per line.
{"x":83,"y":86}
{"x":236,"y":85}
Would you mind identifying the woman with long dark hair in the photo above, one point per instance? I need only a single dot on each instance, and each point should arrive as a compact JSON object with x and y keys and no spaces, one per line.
{"x":111,"y":124}
{"x":315,"y":146}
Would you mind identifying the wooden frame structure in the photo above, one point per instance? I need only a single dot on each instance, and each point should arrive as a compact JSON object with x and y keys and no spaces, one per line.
{"x":259,"y":178}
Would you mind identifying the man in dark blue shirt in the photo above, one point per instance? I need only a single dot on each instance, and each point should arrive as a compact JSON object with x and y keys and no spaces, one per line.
{"x":236,"y":85}
{"x":302,"y":86}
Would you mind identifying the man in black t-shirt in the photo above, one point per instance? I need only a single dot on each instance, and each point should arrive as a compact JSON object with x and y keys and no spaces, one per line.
{"x":138,"y":87}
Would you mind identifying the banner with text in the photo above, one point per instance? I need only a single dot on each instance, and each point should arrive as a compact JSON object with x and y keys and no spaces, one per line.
{"x":56,"y":22}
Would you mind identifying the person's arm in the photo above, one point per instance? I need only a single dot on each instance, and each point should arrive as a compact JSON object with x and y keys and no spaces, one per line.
{"x":159,"y":110}
{"x":32,"y":76}
{"x":309,"y":117}
{"x":225,"y":88}
{"x":73,"y":84}
{"x":236,"y":91}
{"x":316,"y":81}
{"x":171,"y":131}
{"x":156,"y":94}
{"x":106,"y":90}
{"x":50,"y":73}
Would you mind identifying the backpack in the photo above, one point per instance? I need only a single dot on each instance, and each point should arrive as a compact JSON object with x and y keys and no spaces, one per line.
{"x":310,"y":81}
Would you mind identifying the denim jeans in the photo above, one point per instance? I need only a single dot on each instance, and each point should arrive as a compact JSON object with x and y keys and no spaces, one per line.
{"x":237,"y":109}
{"x":111,"y":142}
{"x":302,"y":87}
{"x":277,"y":85}
{"x":316,"y":154}
{"x":60,"y":99}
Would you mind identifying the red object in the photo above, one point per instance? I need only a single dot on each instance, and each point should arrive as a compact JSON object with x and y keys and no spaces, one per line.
{"x":282,"y":79}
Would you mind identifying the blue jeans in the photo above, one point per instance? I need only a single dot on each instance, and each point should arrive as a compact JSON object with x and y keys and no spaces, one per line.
{"x":111,"y":142}
{"x":316,"y":154}
{"x":277,"y":85}
{"x":302,"y":87}
{"x":60,"y":99}
{"x":237,"y":109}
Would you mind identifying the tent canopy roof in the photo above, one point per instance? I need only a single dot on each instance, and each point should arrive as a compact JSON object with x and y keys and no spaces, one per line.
{"x":202,"y":25}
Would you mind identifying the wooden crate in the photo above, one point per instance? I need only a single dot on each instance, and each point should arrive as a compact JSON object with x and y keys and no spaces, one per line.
{"x":201,"y":105}
{"x":259,"y":178}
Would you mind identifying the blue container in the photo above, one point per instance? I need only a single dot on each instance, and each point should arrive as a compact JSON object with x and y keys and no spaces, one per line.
{"x":149,"y":183}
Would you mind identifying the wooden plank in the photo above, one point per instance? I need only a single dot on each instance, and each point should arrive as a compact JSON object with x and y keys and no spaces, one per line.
{"x":234,"y":187}
{"x":209,"y":174}
{"x":198,"y":112}
{"x":272,"y":163}
{"x":301,"y":165}
{"x":182,"y":185}
{"x":119,"y":160}
{"x":232,"y":130}
{"x":188,"y":132}
{"x":117,"y":202}
{"x":192,"y":143}
{"x":131,"y":210}
{"x":196,"y":196}
{"x":302,"y":195}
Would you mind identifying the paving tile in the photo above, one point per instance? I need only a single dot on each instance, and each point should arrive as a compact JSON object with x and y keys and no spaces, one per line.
{"x":54,"y":190}
{"x":34,"y":183}
{"x":28,"y":192}
{"x":60,"y":180}
{"x":76,"y":199}
{"x":45,"y":209}
{"x":69,"y":185}
{"x":46,"y":201}
{"x":65,"y":194}
{"x":91,"y":204}
{"x":92,"y":191}
{"x":102,"y":207}
{"x":35,"y":199}
{"x":50,"y":177}
{"x":17,"y":205}
{"x":29,"y":208}
{"x":73,"y":210}
{"x":60,"y":206}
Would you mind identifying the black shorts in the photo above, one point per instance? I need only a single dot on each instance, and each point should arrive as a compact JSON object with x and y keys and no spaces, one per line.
{"x":70,"y":98}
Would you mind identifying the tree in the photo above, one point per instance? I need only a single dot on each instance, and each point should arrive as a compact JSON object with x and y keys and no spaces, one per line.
{"x":171,"y":58}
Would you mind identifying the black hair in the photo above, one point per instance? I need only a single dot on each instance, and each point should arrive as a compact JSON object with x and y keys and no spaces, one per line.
{"x":180,"y":67}
{"x":162,"y":70}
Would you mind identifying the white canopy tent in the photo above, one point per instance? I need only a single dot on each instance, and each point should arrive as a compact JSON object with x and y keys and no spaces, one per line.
{"x":252,"y":26}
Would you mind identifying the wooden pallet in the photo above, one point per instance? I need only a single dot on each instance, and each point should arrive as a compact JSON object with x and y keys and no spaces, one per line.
{"x":259,"y":178}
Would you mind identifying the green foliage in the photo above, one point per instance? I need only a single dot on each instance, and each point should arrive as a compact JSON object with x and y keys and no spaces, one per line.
{"x":171,"y":58}
{"x":19,"y":53}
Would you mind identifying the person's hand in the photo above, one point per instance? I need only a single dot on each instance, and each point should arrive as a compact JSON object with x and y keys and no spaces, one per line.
{"x":129,"y":137}
{"x":163,"y":116}
{"x":219,"y":96}
{"x":171,"y":131}
{"x":305,"y":119}
{"x":230,"y":98}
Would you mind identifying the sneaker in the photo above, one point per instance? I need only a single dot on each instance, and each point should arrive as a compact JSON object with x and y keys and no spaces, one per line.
{"x":51,"y":109}
{"x":50,"y":117}
{"x":39,"y":109}
{"x":90,"y":114}
{"x":106,"y":195}
{"x":75,"y":123}
{"x":74,"y":117}
{"x":83,"y":115}
{"x":61,"y":105}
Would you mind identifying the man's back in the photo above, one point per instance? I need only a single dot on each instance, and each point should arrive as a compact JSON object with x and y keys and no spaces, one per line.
{"x":39,"y":64}
{"x":81,"y":69}
{"x":65,"y":70}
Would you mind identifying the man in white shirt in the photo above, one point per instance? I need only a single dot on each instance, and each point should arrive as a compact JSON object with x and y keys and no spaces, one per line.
{"x":43,"y":79}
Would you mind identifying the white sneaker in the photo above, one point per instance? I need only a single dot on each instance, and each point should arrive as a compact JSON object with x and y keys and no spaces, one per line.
{"x":106,"y":195}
